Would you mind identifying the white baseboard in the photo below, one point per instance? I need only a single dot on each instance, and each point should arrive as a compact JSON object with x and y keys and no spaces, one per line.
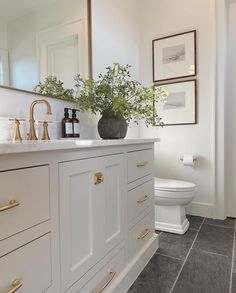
{"x":200,"y":209}
{"x":134,"y":267}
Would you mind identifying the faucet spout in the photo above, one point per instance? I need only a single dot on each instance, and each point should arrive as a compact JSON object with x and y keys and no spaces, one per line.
{"x":32,"y":133}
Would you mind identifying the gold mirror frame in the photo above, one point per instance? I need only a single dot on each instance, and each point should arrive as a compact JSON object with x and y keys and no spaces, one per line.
{"x":90,"y":64}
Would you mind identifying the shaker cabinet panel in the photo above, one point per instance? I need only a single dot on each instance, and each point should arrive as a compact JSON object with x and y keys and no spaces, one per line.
{"x":114,"y":181}
{"x":140,"y":164}
{"x":28,"y":268}
{"x":24,"y":199}
{"x":91,"y":212}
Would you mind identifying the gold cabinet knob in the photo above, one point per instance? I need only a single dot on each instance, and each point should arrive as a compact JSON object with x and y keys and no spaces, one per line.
{"x":98,"y":178}
{"x":15,"y":285}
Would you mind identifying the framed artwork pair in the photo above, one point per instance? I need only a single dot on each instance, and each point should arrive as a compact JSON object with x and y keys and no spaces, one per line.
{"x":174,"y":57}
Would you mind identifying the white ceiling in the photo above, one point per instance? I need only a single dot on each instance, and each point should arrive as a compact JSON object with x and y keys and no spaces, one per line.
{"x":12,"y":9}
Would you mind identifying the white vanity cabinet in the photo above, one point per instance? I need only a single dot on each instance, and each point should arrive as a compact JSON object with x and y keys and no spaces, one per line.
{"x":76,"y":217}
{"x":25,"y":232}
{"x":92,"y":212}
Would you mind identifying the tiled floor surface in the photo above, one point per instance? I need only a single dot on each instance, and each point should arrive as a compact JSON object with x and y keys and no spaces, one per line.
{"x":201,"y":261}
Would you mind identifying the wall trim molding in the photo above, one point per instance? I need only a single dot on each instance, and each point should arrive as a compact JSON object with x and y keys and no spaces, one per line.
{"x":220,"y":31}
{"x":202,"y":209}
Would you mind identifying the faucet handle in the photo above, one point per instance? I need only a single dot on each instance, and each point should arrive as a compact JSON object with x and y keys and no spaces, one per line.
{"x":17,"y":136}
{"x":45,"y":130}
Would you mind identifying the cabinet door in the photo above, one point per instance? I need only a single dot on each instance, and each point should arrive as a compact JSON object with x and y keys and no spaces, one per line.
{"x":91,"y":213}
{"x":114,"y":200}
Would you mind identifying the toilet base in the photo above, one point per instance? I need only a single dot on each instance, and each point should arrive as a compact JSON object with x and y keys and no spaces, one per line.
{"x":171,"y":219}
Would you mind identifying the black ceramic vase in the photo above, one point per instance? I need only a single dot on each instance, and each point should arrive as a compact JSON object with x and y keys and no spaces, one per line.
{"x":111,"y":126}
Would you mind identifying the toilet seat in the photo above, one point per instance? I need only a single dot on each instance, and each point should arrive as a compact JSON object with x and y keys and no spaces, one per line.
{"x":173,"y":185}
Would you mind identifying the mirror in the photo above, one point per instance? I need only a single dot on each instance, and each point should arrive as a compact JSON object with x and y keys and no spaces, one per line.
{"x":39,"y":38}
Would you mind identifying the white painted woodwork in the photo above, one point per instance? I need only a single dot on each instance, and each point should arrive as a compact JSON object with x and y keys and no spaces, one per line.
{"x":31,"y":264}
{"x":139,"y":199}
{"x":140,"y":164}
{"x":92,"y":216}
{"x":68,"y":232}
{"x":30,"y":187}
{"x":61,"y":51}
{"x":136,"y":244}
{"x":4,"y":67}
{"x":115,"y":265}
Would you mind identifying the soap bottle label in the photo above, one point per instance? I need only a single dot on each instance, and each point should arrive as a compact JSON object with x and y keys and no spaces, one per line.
{"x":68,"y":128}
{"x":76,"y":128}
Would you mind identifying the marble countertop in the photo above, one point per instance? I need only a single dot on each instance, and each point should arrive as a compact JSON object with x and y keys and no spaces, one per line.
{"x":7,"y":147}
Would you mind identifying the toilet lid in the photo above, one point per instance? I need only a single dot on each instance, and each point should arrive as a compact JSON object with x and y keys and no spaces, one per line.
{"x":173,"y":185}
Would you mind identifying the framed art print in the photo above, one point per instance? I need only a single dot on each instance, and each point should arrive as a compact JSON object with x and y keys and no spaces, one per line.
{"x":180,"y":105}
{"x":174,"y":56}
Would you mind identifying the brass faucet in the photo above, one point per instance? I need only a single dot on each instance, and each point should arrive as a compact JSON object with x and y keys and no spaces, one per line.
{"x":32,"y":134}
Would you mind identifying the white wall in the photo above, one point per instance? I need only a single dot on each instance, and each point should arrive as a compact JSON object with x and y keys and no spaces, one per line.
{"x":3,"y":35}
{"x":116,"y":38}
{"x":230,"y":122}
{"x":160,"y":18}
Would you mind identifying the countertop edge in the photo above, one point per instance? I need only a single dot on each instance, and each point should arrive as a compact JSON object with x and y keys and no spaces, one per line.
{"x":55,"y":145}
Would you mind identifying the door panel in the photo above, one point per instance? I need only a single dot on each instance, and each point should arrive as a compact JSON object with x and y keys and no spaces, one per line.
{"x":92,"y":213}
{"x":79,"y":221}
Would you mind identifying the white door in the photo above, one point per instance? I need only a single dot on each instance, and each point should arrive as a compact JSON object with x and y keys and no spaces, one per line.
{"x":91,"y":212}
{"x":62,"y":52}
{"x":4,"y":67}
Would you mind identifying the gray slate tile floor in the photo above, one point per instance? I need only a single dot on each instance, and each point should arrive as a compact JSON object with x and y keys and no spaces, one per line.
{"x":201,"y":261}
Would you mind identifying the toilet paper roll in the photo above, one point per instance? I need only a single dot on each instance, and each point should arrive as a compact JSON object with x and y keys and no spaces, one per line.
{"x":188,"y":160}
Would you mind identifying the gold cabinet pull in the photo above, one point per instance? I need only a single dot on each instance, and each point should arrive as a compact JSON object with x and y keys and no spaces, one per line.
{"x":109,"y":278}
{"x":98,"y":178}
{"x":143,"y":234}
{"x":15,"y":285}
{"x":141,"y":164}
{"x":12,"y":204}
{"x":143,"y":199}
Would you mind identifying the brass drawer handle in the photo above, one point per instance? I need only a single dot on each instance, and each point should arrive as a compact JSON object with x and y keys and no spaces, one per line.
{"x":98,"y":178}
{"x":110,"y":277}
{"x":144,"y":234}
{"x":143,"y":199}
{"x":12,"y":204}
{"x":15,"y":285}
{"x":141,"y":164}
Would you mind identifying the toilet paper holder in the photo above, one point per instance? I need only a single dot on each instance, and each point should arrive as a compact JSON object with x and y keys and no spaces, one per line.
{"x":194,"y":159}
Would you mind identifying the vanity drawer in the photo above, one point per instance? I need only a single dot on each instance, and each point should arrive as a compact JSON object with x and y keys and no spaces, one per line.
{"x":30,"y":189}
{"x":141,"y":233}
{"x":30,"y":264}
{"x":139,"y":199}
{"x":105,"y":278}
{"x":140,"y":164}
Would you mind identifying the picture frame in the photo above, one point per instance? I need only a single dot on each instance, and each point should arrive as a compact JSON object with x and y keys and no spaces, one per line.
{"x":180,"y":107}
{"x":174,"y":56}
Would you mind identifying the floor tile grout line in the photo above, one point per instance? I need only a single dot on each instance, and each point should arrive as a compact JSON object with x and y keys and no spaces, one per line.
{"x":172,"y":288}
{"x":213,"y":253}
{"x":162,"y":254}
{"x":219,"y":226}
{"x":232,"y":263}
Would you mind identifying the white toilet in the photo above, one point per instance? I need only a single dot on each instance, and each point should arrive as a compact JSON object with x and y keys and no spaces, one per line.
{"x":171,"y":197}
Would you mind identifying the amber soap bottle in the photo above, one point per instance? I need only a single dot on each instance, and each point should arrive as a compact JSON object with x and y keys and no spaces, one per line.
{"x":75,"y":122}
{"x":67,"y":125}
